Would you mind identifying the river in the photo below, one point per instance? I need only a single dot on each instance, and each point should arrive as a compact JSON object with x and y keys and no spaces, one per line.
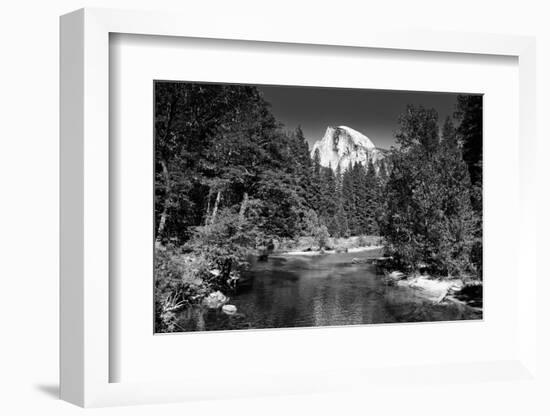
{"x":324,"y":290}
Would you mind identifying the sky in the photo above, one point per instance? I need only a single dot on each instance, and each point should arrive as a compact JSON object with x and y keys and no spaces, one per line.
{"x":371,"y":112}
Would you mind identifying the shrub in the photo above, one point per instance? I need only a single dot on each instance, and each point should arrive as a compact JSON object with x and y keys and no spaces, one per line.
{"x":315,"y":228}
{"x":180,"y":281}
{"x":226,"y":243}
{"x":321,"y":236}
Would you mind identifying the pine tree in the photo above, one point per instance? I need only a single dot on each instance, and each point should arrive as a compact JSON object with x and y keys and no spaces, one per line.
{"x":470,"y":130}
{"x":361,"y":208}
{"x":328,"y":204}
{"x":302,"y":159}
{"x":418,"y":127}
{"x":372,"y":196}
{"x":470,"y":133}
{"x":340,"y":219}
{"x":448,"y":134}
{"x":315,"y":197}
{"x":349,"y":200}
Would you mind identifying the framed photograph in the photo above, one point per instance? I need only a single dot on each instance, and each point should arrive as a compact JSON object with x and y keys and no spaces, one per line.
{"x":287,"y":211}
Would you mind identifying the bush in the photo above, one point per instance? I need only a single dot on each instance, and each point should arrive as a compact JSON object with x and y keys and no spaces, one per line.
{"x":315,"y":228}
{"x":216,"y":253}
{"x":321,"y":236}
{"x":226,"y":243}
{"x":180,"y":281}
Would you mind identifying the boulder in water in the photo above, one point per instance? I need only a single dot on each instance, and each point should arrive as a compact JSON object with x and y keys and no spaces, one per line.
{"x":359,"y":260}
{"x":215,"y":300}
{"x":229,"y":309}
{"x":395,"y":275}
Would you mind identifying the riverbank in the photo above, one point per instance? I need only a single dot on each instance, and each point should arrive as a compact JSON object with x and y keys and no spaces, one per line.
{"x":307,"y":246}
{"x":440,"y":290}
{"x":321,"y":252}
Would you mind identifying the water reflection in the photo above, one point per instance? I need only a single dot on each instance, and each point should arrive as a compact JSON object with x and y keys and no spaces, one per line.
{"x":327,"y":290}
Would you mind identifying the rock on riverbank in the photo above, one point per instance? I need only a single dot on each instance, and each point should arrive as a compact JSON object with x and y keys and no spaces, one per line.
{"x":437,"y":290}
{"x":432,"y":289}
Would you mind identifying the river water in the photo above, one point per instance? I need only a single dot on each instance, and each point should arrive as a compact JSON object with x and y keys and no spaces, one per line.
{"x":323,"y":290}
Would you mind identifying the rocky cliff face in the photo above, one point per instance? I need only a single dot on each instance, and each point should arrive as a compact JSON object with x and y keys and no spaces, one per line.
{"x":343,"y":146}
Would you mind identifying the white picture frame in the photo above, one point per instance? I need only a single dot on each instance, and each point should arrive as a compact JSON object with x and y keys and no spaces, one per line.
{"x":85,"y":165}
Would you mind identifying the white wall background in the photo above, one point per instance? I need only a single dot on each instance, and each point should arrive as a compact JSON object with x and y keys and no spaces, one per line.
{"x":29,"y":209}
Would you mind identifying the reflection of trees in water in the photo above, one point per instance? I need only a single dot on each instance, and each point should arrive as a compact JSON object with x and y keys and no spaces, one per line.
{"x":328,"y":293}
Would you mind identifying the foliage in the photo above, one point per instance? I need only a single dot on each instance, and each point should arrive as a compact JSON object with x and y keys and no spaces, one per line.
{"x":428,"y":216}
{"x":418,"y":127}
{"x":212,"y":142}
{"x":470,"y":135}
{"x":360,"y":199}
{"x":316,"y":228}
{"x":180,"y":281}
{"x":214,"y":257}
{"x":226,"y":242}
{"x":469,"y":113}
{"x":449,"y":135}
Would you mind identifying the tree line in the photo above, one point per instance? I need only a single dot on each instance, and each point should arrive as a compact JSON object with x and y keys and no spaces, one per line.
{"x":432,"y":207}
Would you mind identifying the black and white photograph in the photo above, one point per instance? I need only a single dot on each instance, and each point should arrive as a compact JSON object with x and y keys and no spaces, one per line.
{"x":298,"y":206}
